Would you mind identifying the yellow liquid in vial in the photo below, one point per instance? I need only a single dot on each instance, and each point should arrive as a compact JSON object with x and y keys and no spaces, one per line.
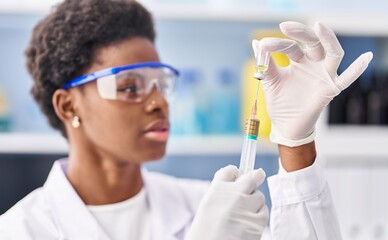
{"x":261,"y":68}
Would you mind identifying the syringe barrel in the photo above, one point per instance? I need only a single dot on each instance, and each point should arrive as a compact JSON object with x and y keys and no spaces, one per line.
{"x":248,"y":154}
{"x":252,"y":127}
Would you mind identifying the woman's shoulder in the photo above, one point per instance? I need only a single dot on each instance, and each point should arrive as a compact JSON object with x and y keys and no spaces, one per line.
{"x":26,"y":204}
{"x":29,"y":215}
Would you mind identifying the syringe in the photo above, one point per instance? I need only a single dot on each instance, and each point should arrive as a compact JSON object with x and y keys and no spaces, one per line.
{"x":251,"y":132}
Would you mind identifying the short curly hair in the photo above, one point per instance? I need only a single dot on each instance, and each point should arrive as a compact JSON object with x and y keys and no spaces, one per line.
{"x":63,"y":44}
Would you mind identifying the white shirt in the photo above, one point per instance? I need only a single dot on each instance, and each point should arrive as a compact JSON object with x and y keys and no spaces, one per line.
{"x":129,"y":219}
{"x":302,"y":208}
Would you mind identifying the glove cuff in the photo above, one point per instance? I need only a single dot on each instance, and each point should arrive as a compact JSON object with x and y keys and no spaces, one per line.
{"x":275,"y":137}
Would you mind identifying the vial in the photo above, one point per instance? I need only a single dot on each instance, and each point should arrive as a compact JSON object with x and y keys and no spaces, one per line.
{"x":262,"y":62}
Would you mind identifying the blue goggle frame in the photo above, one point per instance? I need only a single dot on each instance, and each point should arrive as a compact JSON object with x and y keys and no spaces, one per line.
{"x":109,"y":71}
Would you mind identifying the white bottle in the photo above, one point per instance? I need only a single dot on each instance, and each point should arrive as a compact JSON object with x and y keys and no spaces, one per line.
{"x":225,"y":104}
{"x":5,"y":123}
{"x":184,"y":109}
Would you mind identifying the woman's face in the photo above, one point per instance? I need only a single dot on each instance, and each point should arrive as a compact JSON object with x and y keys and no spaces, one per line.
{"x":126,"y":132}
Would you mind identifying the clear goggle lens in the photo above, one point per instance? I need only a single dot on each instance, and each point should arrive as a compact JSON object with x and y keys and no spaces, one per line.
{"x":135,"y":85}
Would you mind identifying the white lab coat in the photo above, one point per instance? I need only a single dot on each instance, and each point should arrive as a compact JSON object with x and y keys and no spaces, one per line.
{"x":302,"y":208}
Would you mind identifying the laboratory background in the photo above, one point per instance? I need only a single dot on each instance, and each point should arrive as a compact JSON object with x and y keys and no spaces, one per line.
{"x":210,"y":42}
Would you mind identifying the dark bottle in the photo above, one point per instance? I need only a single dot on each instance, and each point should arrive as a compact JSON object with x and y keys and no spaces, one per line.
{"x":355,"y":105}
{"x":337,"y":113}
{"x":374,"y":101}
{"x":383,"y":92}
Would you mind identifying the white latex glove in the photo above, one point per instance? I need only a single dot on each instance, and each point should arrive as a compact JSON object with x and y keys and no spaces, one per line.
{"x":297,"y":94}
{"x":232,"y":209}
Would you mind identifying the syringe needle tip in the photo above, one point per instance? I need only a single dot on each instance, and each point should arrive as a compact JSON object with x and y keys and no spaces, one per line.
{"x":254,"y":107}
{"x":257,"y":90}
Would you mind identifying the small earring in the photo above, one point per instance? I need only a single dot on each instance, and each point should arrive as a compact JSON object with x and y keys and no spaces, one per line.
{"x":76,"y":122}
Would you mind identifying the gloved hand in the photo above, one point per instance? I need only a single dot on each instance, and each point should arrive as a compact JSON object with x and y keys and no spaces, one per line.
{"x":297,"y":94}
{"x":232,"y":208}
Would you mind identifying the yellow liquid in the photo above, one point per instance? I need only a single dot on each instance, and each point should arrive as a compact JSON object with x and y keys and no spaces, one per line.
{"x":261,"y":69}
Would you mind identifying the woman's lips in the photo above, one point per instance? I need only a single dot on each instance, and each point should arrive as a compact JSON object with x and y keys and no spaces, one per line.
{"x":158,"y":131}
{"x":159,"y":136}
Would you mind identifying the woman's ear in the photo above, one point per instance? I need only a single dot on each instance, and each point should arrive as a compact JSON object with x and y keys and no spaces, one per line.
{"x":63,"y":103}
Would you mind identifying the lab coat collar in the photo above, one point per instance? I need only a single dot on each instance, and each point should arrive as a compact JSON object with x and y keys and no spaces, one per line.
{"x":170,"y":213}
{"x":70,"y":212}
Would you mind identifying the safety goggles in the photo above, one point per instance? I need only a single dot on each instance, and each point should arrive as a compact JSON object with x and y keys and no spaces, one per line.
{"x":131,"y":83}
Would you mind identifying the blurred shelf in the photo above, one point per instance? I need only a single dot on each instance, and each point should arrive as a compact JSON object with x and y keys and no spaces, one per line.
{"x":361,"y":141}
{"x":338,"y":141}
{"x":353,"y":23}
{"x":343,"y":21}
{"x":199,"y":145}
{"x":214,"y":145}
{"x":220,"y":13}
{"x":27,"y":7}
{"x":32,"y":143}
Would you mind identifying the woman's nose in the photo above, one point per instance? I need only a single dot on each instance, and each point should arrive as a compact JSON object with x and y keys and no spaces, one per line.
{"x":156,"y":101}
